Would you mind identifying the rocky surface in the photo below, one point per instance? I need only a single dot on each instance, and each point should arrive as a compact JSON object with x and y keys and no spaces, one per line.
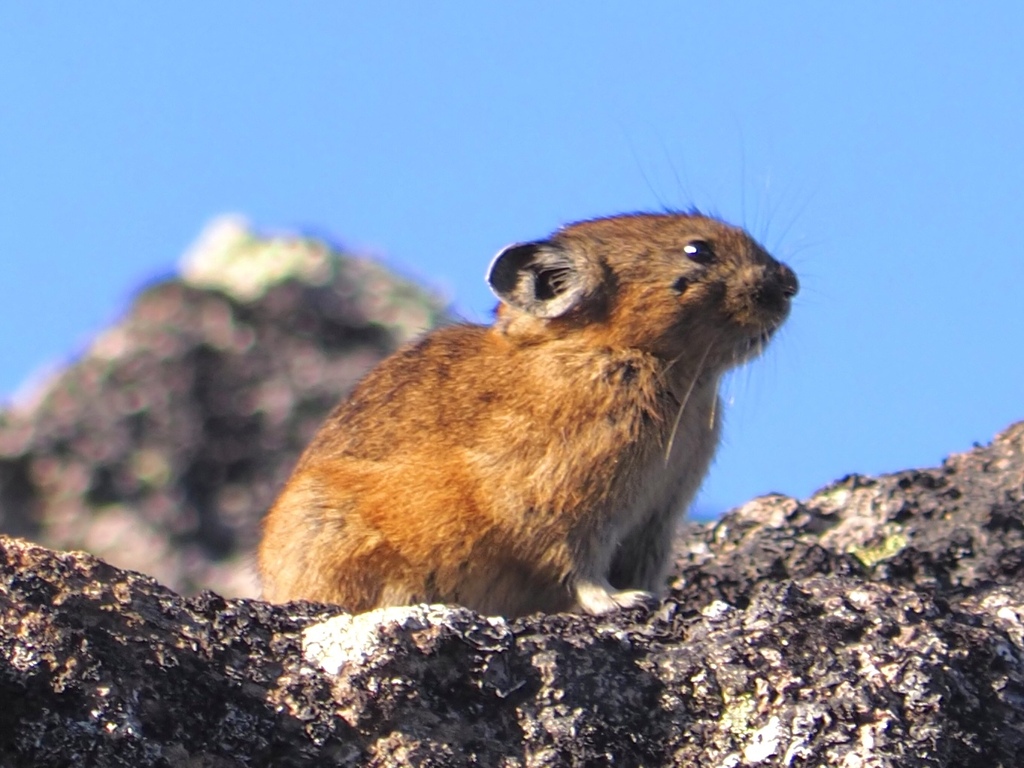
{"x":879,"y":623}
{"x":161,"y":448}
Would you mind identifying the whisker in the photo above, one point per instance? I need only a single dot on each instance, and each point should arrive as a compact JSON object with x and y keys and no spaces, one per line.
{"x":672,"y":362}
{"x":686,"y":398}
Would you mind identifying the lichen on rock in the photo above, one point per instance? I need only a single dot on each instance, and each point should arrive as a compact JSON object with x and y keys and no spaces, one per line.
{"x":777,"y":647}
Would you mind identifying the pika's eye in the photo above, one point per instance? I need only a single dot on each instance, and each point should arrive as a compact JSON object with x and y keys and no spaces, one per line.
{"x":699,"y":251}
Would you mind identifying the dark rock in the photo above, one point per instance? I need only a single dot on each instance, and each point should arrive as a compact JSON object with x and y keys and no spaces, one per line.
{"x":879,"y":623}
{"x":162,"y":447}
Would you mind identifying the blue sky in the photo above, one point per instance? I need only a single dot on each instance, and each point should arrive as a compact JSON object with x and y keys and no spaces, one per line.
{"x":879,"y":149}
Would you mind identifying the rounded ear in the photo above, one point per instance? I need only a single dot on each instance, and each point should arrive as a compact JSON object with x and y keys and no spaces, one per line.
{"x":541,"y":278}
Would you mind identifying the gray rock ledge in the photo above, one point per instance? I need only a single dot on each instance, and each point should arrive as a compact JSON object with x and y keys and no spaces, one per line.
{"x":878,"y":623}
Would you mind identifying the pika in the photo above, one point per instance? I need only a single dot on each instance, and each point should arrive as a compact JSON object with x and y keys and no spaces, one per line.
{"x":543,"y":462}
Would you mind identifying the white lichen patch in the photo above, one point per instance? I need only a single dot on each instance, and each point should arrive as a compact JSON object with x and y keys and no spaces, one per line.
{"x":716,"y":609}
{"x":862,"y":599}
{"x":1004,"y":605}
{"x":345,"y":639}
{"x":833,"y":498}
{"x":772,"y":510}
{"x":23,"y":658}
{"x":764,"y":742}
{"x":228,"y":256}
{"x":1007,"y":613}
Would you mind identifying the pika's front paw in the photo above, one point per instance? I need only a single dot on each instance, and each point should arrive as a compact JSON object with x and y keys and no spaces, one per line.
{"x":597,"y":598}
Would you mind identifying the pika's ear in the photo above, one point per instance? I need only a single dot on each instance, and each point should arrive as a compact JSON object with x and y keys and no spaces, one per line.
{"x":540,"y":278}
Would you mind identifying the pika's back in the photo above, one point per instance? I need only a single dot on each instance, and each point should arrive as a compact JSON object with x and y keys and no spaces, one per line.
{"x":540,"y":463}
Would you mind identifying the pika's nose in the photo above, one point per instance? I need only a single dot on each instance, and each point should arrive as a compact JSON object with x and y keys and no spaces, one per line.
{"x":779,"y":286}
{"x":786,"y":278}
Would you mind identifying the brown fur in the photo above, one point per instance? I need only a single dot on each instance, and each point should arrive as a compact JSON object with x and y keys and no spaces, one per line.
{"x":541,"y":463}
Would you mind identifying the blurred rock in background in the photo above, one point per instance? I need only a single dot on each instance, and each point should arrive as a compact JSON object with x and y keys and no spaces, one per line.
{"x":162,"y":447}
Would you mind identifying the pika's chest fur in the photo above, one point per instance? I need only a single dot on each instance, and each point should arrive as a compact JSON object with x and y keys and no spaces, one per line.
{"x":554,"y":435}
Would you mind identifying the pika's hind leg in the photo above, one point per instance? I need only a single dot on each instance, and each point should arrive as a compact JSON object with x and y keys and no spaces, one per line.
{"x":643,"y":558}
{"x":598,"y":596}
